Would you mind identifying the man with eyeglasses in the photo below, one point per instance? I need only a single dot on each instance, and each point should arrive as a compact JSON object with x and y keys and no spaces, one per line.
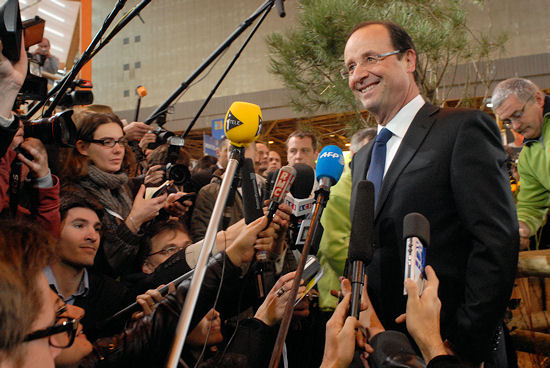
{"x":167,"y":238}
{"x":521,"y":105}
{"x":448,"y":165}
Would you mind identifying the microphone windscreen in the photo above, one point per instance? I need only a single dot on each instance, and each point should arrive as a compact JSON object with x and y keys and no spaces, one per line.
{"x":141,"y":91}
{"x":362,"y":224}
{"x":303,"y":184}
{"x":416,"y":225}
{"x":330,"y":163}
{"x":252,"y":206}
{"x":243,"y":123}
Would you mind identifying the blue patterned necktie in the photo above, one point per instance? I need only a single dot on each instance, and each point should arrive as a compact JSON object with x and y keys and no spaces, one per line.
{"x":378,"y":161}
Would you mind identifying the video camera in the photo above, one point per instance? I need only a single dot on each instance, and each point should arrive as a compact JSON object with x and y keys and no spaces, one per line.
{"x":163,"y":137}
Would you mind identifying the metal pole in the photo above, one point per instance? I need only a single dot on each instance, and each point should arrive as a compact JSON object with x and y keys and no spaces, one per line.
{"x":200,"y":269}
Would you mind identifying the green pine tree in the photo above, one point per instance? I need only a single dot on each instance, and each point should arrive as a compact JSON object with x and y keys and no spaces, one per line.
{"x":308,"y":58}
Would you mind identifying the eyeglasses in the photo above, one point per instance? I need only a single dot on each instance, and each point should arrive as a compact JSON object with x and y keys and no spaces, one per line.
{"x":60,"y":335}
{"x":109,"y":142}
{"x":368,"y":60}
{"x":170,"y":250}
{"x":517,"y":115}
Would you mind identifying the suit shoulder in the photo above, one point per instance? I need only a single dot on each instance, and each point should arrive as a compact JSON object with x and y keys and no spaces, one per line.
{"x":464,"y":118}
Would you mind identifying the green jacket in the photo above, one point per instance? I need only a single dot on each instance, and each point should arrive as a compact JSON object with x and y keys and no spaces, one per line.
{"x":333,"y":249}
{"x":534,"y":175}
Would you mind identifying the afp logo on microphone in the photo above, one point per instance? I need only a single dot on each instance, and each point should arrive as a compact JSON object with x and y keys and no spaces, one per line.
{"x":331,"y":155}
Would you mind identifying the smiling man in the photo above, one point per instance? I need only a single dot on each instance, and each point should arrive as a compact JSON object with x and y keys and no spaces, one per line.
{"x":520,"y":104}
{"x":70,"y":274}
{"x":448,"y":165}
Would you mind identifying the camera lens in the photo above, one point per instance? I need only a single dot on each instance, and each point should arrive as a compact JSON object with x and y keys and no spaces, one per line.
{"x":59,"y":129}
{"x":179,"y":173}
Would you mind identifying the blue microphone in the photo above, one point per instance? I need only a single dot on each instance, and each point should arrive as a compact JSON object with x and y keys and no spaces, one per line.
{"x":330,"y":165}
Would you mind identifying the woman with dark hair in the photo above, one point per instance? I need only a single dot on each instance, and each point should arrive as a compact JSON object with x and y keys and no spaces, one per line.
{"x":96,"y":165}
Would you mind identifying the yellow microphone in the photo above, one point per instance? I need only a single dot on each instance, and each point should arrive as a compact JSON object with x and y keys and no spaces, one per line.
{"x":243,"y":123}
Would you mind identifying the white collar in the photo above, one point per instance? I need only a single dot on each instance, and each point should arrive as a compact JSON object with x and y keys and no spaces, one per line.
{"x":403,"y":119}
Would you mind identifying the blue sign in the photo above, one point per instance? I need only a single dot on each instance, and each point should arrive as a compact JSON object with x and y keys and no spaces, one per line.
{"x":210,"y":145}
{"x":217,"y":129}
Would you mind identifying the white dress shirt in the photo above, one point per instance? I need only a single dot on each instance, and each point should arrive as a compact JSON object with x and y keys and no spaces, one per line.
{"x":399,"y":126}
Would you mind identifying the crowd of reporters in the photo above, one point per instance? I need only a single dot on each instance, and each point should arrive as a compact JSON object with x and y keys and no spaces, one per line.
{"x":84,"y":218}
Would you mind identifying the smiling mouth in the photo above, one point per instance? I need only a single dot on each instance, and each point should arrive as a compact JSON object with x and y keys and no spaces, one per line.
{"x":368,"y":88}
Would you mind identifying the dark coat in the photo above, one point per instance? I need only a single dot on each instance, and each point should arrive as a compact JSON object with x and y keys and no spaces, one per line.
{"x":450,"y":167}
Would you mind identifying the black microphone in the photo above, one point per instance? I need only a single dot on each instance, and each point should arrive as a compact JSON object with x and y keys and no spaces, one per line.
{"x":416,"y":233}
{"x":280,"y":8}
{"x":252,"y":205}
{"x":301,"y":204}
{"x":360,"y":242}
{"x":303,"y":184}
{"x":269,"y":184}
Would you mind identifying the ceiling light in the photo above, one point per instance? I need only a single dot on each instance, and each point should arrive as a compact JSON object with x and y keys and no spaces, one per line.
{"x":57,"y":48}
{"x":56,"y":17}
{"x":57,"y":33}
{"x":58,"y":3}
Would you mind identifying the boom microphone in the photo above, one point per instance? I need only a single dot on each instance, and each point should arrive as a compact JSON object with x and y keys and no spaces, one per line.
{"x":360,"y":243}
{"x":252,"y":205}
{"x":416,"y":233}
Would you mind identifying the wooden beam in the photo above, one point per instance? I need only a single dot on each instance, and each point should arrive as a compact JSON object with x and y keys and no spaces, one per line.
{"x":531,"y":342}
{"x":534,"y":263}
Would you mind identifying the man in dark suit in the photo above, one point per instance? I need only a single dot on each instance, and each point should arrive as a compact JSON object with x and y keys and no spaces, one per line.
{"x":448,"y":165}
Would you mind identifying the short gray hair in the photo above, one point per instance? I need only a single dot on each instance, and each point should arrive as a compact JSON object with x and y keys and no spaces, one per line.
{"x":522,"y":88}
{"x":358,"y":138}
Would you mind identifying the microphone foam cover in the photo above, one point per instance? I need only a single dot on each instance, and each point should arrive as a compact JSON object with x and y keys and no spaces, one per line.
{"x":330,"y":163}
{"x":303,"y":184}
{"x":415,"y":224}
{"x":242,"y":123}
{"x":362,"y":224}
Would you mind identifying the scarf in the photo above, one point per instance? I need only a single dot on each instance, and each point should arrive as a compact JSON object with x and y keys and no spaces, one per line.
{"x":109,"y":189}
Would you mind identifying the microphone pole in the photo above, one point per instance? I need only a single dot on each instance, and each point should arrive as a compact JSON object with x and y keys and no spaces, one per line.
{"x":226,"y":71}
{"x":329,"y":169}
{"x":200,"y":269}
{"x":320,"y":204}
{"x":242,"y":27}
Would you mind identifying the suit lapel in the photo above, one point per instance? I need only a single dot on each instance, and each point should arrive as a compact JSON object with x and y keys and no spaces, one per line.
{"x":414,"y":137}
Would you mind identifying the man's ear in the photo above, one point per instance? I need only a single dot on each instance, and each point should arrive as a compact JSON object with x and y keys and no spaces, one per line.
{"x":82,"y":147}
{"x":146,"y":268}
{"x":410,"y":58}
{"x":539,"y":98}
